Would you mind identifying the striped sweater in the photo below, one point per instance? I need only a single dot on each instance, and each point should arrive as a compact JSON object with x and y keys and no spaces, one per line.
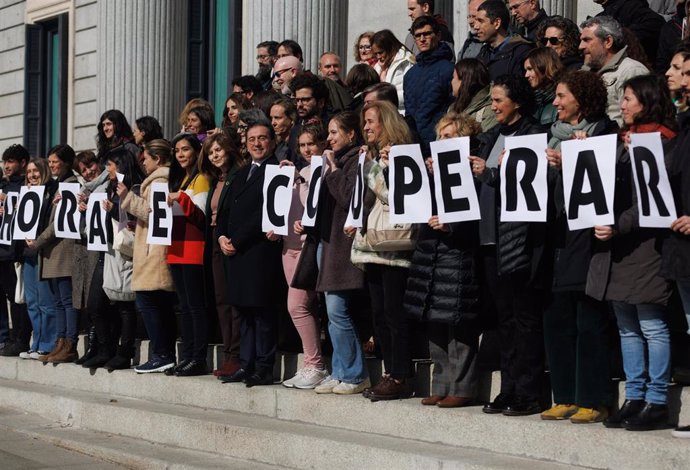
{"x":189,"y":223}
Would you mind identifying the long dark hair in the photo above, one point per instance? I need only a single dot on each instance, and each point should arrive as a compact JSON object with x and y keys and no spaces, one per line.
{"x":653,"y":94}
{"x":475,"y":77}
{"x":128,"y":165}
{"x":122,"y":131}
{"x":387,"y":42}
{"x":177,"y":173}
{"x":151,"y":128}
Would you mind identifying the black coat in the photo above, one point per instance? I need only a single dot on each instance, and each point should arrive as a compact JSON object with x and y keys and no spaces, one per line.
{"x":509,"y":59}
{"x":254,"y":273}
{"x":676,"y":249}
{"x":9,"y":185}
{"x":669,"y":39}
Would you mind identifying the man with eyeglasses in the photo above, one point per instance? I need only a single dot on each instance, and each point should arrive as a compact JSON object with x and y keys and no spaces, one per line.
{"x":284,"y":71}
{"x":253,"y":262}
{"x":417,"y":9}
{"x":503,"y":53}
{"x":427,"y":91}
{"x":266,"y":56}
{"x":528,"y":16}
{"x":472,"y":46}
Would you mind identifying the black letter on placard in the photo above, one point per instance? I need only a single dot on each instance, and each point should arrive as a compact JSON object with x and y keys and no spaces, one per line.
{"x":451,"y":180}
{"x":67,"y":210}
{"x":312,"y":197}
{"x":95,"y":227}
{"x":401,"y":188}
{"x":357,"y":194}
{"x":587,"y":163}
{"x":35,"y":211}
{"x":531,"y":161}
{"x":10,"y":205}
{"x":278,"y":181}
{"x":158,"y":214}
{"x":643,"y":154}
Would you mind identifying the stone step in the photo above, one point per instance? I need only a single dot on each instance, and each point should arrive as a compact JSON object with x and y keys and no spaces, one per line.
{"x":125,"y":451}
{"x":584,"y":445}
{"x":244,"y":436}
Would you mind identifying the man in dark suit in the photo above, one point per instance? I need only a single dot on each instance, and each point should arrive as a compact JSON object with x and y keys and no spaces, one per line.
{"x":253,"y":263}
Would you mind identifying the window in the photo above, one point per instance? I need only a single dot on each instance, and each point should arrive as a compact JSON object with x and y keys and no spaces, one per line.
{"x":45,"y":87}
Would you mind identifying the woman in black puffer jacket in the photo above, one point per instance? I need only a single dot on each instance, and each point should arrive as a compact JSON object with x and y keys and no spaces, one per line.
{"x":443,"y":291}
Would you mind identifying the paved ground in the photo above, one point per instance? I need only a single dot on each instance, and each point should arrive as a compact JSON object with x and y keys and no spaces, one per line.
{"x":18,"y":452}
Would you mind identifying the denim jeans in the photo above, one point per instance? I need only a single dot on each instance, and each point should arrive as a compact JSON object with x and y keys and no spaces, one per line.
{"x":348,"y":358}
{"x":66,"y":317}
{"x":40,"y":305}
{"x":189,"y":284}
{"x":684,"y":292}
{"x":157,"y":311}
{"x":638,"y":324}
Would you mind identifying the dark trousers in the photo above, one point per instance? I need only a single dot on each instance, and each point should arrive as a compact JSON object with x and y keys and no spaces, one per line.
{"x":228,"y":319}
{"x":103,"y":312}
{"x":453,"y":349}
{"x":157,"y":311}
{"x":521,"y":332}
{"x":576,"y":338}
{"x":257,"y":338}
{"x":387,"y":289}
{"x":189,"y":284}
{"x":21,"y":325}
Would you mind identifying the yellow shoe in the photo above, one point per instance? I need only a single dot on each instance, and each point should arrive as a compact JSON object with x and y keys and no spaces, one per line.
{"x":589,"y":415}
{"x":559,"y":412}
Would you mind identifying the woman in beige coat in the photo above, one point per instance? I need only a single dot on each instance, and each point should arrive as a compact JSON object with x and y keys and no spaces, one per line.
{"x":151,"y":279}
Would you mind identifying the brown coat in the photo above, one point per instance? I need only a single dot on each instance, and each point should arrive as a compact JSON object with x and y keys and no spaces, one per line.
{"x":55,"y":254}
{"x":151,"y":271}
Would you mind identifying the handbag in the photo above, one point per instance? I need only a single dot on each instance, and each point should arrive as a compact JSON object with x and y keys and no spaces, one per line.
{"x":381,"y":235}
{"x":307,"y":271}
{"x":124,"y":242}
{"x":19,"y":287}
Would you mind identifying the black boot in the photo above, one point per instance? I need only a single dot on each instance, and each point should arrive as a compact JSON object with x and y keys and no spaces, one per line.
{"x":92,"y":347}
{"x":122,"y":360}
{"x":651,"y":417}
{"x":125,"y":351}
{"x":629,"y":409}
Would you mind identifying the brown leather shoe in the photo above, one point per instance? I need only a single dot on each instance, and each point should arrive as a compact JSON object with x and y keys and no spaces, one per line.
{"x":389,"y":389}
{"x":228,"y":368}
{"x":68,"y":353}
{"x":454,"y":402}
{"x":59,"y":344}
{"x":432,"y":400}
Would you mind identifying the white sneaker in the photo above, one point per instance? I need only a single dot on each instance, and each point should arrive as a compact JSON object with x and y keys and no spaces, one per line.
{"x":290,"y":383}
{"x":344,"y":388}
{"x":35,"y":354}
{"x":310,"y":378}
{"x":26,"y":354}
{"x":327,"y":385}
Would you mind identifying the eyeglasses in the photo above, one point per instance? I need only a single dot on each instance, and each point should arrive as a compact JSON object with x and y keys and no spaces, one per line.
{"x":423,"y":34}
{"x":364,"y":47}
{"x":242,"y":128}
{"x":517,"y":5}
{"x":278,"y":73}
{"x":553,"y":40}
{"x":304,"y":99}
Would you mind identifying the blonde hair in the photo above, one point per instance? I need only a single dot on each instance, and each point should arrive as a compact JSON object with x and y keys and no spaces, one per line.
{"x":465,"y":125}
{"x":191,"y":104}
{"x":43,"y":170}
{"x":395,"y":129}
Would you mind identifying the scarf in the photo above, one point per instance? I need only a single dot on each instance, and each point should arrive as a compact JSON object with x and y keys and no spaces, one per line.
{"x":666,"y":133}
{"x":561,"y":131}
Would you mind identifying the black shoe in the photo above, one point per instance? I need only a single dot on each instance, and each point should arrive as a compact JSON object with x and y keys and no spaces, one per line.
{"x":238,"y":376}
{"x":118,"y":362}
{"x":651,"y":417}
{"x":499,"y":404}
{"x":629,"y":409}
{"x":92,"y":347}
{"x":258,"y":378}
{"x":99,"y":360}
{"x":191,"y":368}
{"x":14,"y":349}
{"x":522,"y":407}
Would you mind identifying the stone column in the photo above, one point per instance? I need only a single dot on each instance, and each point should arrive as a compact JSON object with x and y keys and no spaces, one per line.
{"x":567,"y":8}
{"x":142,"y":58}
{"x":317,"y":25}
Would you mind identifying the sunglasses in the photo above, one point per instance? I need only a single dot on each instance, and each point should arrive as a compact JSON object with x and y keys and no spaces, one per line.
{"x":553,"y":40}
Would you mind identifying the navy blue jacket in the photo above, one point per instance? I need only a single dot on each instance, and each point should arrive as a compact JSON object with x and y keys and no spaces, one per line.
{"x":427,"y":91}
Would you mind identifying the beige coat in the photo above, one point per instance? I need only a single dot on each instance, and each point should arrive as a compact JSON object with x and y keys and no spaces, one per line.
{"x":151,"y":271}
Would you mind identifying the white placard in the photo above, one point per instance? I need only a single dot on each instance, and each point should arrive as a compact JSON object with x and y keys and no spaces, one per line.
{"x":277,"y":194}
{"x":160,"y":217}
{"x":356,"y":210}
{"x":589,"y":179}
{"x":654,"y":196}
{"x":96,"y":223}
{"x":311,"y":205}
{"x":67,"y":215}
{"x":10,"y":203}
{"x":524,"y":187}
{"x":456,"y":194}
{"x":120,"y":177}
{"x":409,"y":195}
{"x":28,"y":212}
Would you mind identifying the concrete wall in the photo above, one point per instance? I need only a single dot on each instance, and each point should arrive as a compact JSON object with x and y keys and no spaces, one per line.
{"x":12,"y":38}
{"x":86,"y":112}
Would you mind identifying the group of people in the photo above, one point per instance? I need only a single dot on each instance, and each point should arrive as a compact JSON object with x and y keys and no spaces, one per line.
{"x":547,"y":294}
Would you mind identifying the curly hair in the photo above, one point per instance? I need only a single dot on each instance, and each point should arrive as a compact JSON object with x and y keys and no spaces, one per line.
{"x":653,"y":94}
{"x":590,"y":92}
{"x":465,"y":125}
{"x":366,"y":34}
{"x":571,"y":33}
{"x":517,"y":88}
